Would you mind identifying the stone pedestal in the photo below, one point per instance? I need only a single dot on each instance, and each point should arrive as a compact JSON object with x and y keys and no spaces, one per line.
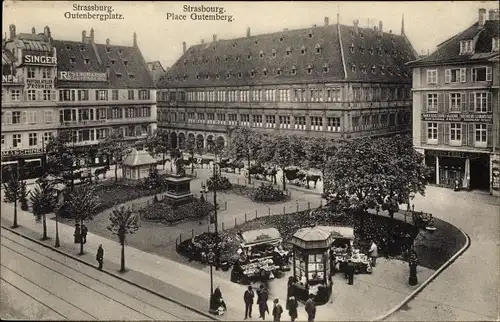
{"x":178,"y":190}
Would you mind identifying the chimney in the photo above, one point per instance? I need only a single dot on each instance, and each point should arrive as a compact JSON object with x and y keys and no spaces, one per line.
{"x":183,"y":47}
{"x":380,"y":29}
{"x":356,"y":29}
{"x":202,"y":41}
{"x":214,"y":38}
{"x":327,"y":21}
{"x":248,"y":32}
{"x":482,"y":17}
{"x":493,"y":14}
{"x":107,"y":41}
{"x":403,"y":25}
{"x":12,"y":30}
{"x":84,"y":36}
{"x":135,"y":40}
{"x":33,"y":30}
{"x":92,"y":35}
{"x":314,"y":26}
{"x":46,"y":32}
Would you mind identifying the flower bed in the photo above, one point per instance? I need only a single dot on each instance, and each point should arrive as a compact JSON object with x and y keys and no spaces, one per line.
{"x":262,"y":194}
{"x":219,"y":182}
{"x":163,"y":211}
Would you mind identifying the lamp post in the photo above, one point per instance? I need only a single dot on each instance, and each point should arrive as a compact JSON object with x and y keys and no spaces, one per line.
{"x":217,"y":250}
{"x":211,"y":257}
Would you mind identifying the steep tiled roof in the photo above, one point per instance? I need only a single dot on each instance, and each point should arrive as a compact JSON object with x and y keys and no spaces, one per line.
{"x":34,"y":42}
{"x":127,"y":67}
{"x":137,"y":158}
{"x":156,"y":70}
{"x":311,"y":51}
{"x":7,"y":57}
{"x":449,"y":51}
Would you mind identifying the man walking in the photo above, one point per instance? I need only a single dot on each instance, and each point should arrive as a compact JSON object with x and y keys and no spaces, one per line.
{"x":85,"y":230}
{"x":100,"y":256}
{"x":373,"y":252}
{"x":310,"y":308}
{"x":277,"y":311}
{"x":262,"y":298}
{"x":248,"y":298}
{"x":350,"y":272}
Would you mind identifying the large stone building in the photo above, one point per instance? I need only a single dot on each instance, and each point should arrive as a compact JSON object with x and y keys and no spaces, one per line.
{"x":157,"y":71}
{"x":456,"y":107}
{"x":87,"y":88}
{"x":335,"y":80}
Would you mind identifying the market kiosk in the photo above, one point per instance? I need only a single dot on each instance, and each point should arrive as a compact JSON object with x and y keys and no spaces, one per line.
{"x":342,"y":250}
{"x":260,"y":257}
{"x":311,"y":264}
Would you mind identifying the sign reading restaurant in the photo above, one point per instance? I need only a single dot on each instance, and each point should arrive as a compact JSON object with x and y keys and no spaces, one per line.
{"x":83,"y":76}
{"x":458,"y":118}
{"x":9,"y":153}
{"x":39,"y":60}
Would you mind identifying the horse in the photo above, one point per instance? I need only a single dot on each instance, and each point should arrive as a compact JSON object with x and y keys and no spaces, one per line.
{"x":100,"y":171}
{"x":312,"y":177}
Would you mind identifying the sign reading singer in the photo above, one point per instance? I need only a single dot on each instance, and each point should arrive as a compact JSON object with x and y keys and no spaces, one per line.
{"x":39,"y":60}
{"x":83,"y":76}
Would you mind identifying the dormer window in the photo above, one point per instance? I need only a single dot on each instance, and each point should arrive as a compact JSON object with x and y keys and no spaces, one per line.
{"x":391,"y":72}
{"x":108,"y":50}
{"x":120,"y":51}
{"x":382,"y":69}
{"x":234,"y":45}
{"x":279,"y":72}
{"x":353,"y":68}
{"x":217,"y":59}
{"x":237,"y":57}
{"x":228,"y":75}
{"x":310,"y":34}
{"x":303,"y":50}
{"x":217,"y":76}
{"x":125,"y":62}
{"x":466,"y":47}
{"x":240,"y":75}
{"x":494,"y":44}
{"x":113,"y":61}
{"x":72,"y":60}
{"x":288,"y":51}
{"x":177,"y":64}
{"x":361,"y":35}
{"x":177,"y":77}
{"x":318,"y":49}
{"x":86,"y":61}
{"x":252,"y":73}
{"x":309,"y":69}
{"x":261,"y":54}
{"x":206,"y":61}
{"x":363,"y":69}
{"x":392,"y":39}
{"x":294,"y":70}
{"x":197,"y":76}
{"x":213,"y":47}
{"x":185,"y":77}
{"x":362,"y":50}
{"x":185,"y":62}
{"x":194,"y":62}
{"x":281,"y":38}
{"x":370,"y":51}
{"x":374,"y":69}
{"x":83,"y":48}
{"x":264,"y":71}
{"x":207,"y":77}
{"x":351,"y":48}
{"x":352,"y":33}
{"x":274,"y":53}
{"x":131,"y":76}
{"x":249,"y":56}
{"x":256,"y":42}
{"x":325,"y":68}
{"x":68,"y":47}
{"x":226,"y":59}
{"x":118,"y":75}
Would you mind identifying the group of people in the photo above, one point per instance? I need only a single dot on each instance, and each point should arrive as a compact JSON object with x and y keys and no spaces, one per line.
{"x":349,"y":267}
{"x":80,"y":234}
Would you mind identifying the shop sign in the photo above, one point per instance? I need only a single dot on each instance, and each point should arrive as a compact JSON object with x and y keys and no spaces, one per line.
{"x":10,"y":79}
{"x":11,"y":153}
{"x":39,"y":83}
{"x":83,"y":76}
{"x":79,"y":123}
{"x":39,"y":60}
{"x":458,"y":118}
{"x":441,"y":153}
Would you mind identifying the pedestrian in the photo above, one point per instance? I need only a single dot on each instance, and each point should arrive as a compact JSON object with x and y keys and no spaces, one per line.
{"x":277,"y":310}
{"x":310,"y":308}
{"x":373,"y":252}
{"x":291,"y":306}
{"x":218,"y":300}
{"x":248,"y":298}
{"x":350,"y":272}
{"x":262,"y":297}
{"x":85,"y":230}
{"x":77,"y":234}
{"x":100,"y":256}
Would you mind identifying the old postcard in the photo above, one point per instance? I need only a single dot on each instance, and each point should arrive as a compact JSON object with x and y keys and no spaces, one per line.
{"x":319,"y":161}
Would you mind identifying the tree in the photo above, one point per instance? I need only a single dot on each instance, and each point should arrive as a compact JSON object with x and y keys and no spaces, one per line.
{"x":159,"y":143}
{"x":60,"y":156}
{"x":317,"y":153}
{"x":280,"y":151}
{"x":23,"y":196}
{"x":114,"y":148}
{"x":12,"y":189}
{"x":191,"y":149}
{"x":123,"y":221}
{"x":43,"y":202}
{"x":83,"y":204}
{"x":245,"y":145}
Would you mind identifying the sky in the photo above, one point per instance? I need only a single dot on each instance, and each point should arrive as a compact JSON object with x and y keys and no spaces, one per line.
{"x":160,"y":37}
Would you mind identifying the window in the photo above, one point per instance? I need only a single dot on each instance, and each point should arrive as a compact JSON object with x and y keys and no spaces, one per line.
{"x":16,"y":140}
{"x":274,"y":53}
{"x":481,"y":74}
{"x":456,"y":132}
{"x":46,"y":73}
{"x":67,"y":95}
{"x":46,"y":94}
{"x":482,"y":101}
{"x":432,"y":76}
{"x":316,"y":123}
{"x":318,"y":49}
{"x":31,"y":72}
{"x":351,"y":48}
{"x":47,"y":136}
{"x":333,"y":94}
{"x":481,"y":134}
{"x":83,"y":95}
{"x":3,"y":140}
{"x":31,"y":95}
{"x":130,"y":94}
{"x":303,"y":50}
{"x":333,"y":124}
{"x":284,"y":95}
{"x":85,"y":114}
{"x":294,"y":70}
{"x":101,"y":95}
{"x":457,"y":75}
{"x":288,"y":51}
{"x":356,"y":91}
{"x":233,"y":119}
{"x":32,"y":139}
{"x":210,"y":118}
{"x":466,"y":47}
{"x":455,"y":102}
{"x":279,"y":71}
{"x":245,"y":119}
{"x":432,"y":102}
{"x":86,"y":61}
{"x":47,"y":115}
{"x":16,"y":117}
{"x":270,"y":121}
{"x":144,"y":94}
{"x":494,"y":44}
{"x":221,"y":117}
{"x":353,"y":68}
{"x":72,"y":60}
{"x":284,"y":122}
{"x":300,"y":122}
{"x":201,"y":117}
{"x":15,"y":95}
{"x":102,"y":114}
{"x":252,"y":73}
{"x":257,"y":120}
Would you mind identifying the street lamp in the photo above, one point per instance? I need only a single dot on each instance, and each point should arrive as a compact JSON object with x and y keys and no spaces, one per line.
{"x":217,"y":250}
{"x":211,"y":258}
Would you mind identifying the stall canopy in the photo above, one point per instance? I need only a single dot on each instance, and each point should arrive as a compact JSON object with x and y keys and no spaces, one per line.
{"x":260,"y":236}
{"x":339,"y":232}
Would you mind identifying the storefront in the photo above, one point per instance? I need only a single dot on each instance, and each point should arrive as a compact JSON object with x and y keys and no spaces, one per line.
{"x":471,"y":170}
{"x":30,"y":160}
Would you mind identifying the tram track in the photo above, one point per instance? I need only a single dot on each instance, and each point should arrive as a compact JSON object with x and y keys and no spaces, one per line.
{"x":144,"y":302}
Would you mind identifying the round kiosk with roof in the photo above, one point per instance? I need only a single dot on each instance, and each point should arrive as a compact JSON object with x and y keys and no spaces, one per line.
{"x":137,"y":165}
{"x":311,"y":264}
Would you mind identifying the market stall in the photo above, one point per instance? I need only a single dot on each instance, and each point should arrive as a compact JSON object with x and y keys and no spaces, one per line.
{"x":311,"y":264}
{"x":342,"y":250}
{"x":261,"y":255}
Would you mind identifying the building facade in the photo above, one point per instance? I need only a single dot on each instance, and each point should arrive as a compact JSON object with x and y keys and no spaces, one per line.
{"x":332,"y":80}
{"x":456,"y":107}
{"x":83,"y":87}
{"x":156,"y":70}
{"x":29,"y":101}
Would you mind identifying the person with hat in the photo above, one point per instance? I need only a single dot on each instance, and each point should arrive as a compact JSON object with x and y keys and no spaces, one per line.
{"x":248,"y":299}
{"x":277,"y":310}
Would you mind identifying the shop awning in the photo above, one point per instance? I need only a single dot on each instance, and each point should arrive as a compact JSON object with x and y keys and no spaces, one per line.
{"x":260,"y":236}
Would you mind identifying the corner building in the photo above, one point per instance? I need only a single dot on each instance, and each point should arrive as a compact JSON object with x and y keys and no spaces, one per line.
{"x":331,"y":80}
{"x":103,"y":88}
{"x":29,"y":100}
{"x":456,"y":107}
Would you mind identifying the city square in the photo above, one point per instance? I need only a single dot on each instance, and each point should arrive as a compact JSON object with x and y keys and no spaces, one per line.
{"x":327,"y":173}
